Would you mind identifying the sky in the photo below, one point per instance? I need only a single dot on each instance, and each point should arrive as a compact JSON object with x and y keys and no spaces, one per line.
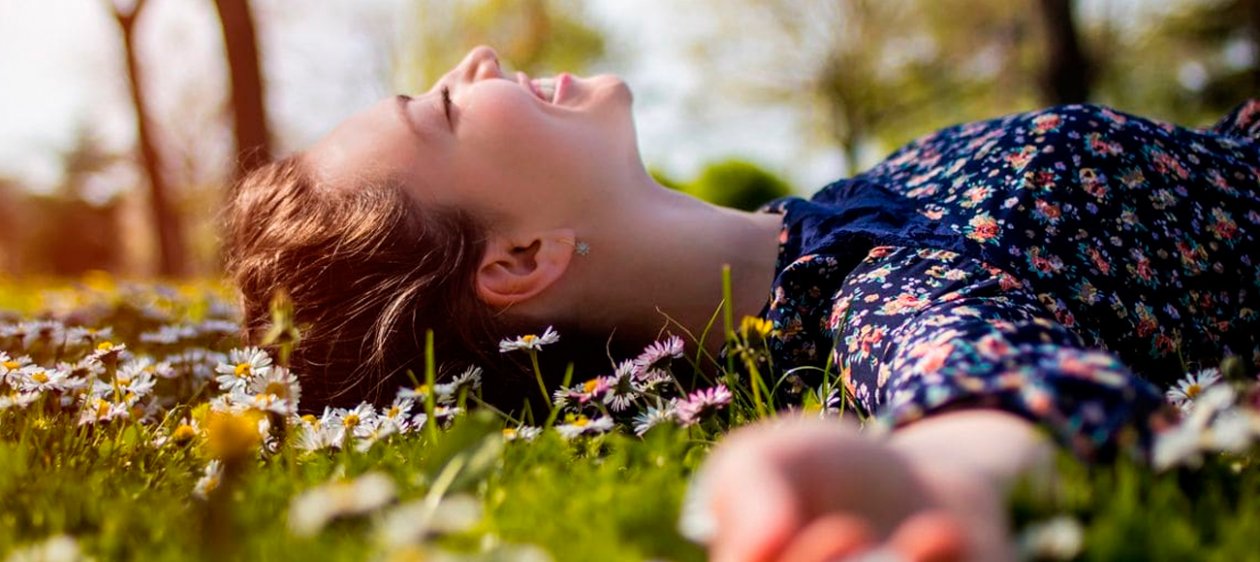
{"x":61,"y":73}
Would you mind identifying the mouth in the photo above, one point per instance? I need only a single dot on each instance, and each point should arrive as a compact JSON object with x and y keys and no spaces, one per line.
{"x":552,"y":90}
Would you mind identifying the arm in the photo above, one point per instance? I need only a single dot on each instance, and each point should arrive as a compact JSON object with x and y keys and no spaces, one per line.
{"x":957,"y":335}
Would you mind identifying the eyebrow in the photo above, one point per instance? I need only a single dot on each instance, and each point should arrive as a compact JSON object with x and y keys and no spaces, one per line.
{"x":401,"y":105}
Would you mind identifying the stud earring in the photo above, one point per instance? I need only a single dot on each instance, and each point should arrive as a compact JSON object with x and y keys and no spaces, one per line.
{"x":582,"y":248}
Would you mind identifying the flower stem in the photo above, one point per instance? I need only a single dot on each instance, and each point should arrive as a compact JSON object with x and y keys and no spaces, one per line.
{"x":430,"y":375}
{"x":542,"y":387}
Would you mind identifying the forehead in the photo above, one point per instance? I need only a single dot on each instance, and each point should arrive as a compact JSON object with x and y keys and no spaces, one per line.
{"x":376,"y":143}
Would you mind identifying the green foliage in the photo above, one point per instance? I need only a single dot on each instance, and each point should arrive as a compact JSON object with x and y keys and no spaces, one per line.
{"x":874,"y":74}
{"x":731,"y":183}
{"x":738,"y":184}
{"x":535,"y":36}
{"x":125,"y":490}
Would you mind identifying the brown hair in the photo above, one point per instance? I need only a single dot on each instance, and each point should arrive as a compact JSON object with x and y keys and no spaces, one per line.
{"x":368,"y":271}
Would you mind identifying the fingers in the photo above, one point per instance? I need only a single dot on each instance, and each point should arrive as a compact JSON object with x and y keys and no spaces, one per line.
{"x":756,"y":512}
{"x":828,"y":538}
{"x":931,"y":536}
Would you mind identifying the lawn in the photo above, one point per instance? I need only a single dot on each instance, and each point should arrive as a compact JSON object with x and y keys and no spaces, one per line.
{"x":133,"y":426}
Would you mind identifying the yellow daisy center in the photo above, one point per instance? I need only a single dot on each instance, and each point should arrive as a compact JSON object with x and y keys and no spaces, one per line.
{"x":242,"y":370}
{"x":1193,"y":390}
{"x":529,"y":338}
{"x":276,"y":389}
{"x":40,"y":377}
{"x":11,"y":365}
{"x":350,"y":420}
{"x":590,"y":385}
{"x":581,"y":421}
{"x":310,"y":418}
{"x":105,"y":346}
{"x":509,"y":432}
{"x":183,"y":433}
{"x":393,"y":412}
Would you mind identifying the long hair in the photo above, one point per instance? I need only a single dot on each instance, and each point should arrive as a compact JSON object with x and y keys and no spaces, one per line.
{"x":368,"y":271}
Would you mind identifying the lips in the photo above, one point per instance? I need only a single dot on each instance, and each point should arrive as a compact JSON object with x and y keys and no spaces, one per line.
{"x":550,"y":90}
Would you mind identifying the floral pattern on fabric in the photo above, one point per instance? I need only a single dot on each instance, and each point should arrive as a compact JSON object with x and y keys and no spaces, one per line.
{"x":1043,"y":263}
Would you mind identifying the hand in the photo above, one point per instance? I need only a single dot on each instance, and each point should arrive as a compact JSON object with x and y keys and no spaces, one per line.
{"x":798,"y":489}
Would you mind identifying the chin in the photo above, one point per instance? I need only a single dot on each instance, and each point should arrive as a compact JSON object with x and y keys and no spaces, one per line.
{"x":613,"y":87}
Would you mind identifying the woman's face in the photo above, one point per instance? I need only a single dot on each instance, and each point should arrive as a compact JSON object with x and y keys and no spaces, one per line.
{"x":504,"y":147}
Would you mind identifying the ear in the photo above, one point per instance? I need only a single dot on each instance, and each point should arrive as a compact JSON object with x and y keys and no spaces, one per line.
{"x":515,"y":270}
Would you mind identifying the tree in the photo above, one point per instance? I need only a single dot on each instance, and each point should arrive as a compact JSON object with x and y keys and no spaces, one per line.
{"x":1189,"y":64}
{"x":876,"y":70}
{"x":737,"y":184}
{"x":172,"y":256}
{"x":253,"y":139}
{"x":1068,"y":72}
{"x":534,"y":36}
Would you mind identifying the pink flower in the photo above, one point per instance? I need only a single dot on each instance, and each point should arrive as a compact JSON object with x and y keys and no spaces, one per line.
{"x":701,"y":403}
{"x":656,"y":355}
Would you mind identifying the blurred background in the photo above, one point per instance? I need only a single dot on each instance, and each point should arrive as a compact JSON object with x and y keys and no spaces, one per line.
{"x":123,"y":121}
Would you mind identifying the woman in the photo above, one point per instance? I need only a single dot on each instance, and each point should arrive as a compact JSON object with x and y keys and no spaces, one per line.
{"x":964,"y":289}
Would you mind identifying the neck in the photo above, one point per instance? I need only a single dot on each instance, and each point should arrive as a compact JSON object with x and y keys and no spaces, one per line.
{"x":659,"y":264}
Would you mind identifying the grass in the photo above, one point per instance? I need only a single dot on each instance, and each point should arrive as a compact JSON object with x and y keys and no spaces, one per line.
{"x":598,"y":496}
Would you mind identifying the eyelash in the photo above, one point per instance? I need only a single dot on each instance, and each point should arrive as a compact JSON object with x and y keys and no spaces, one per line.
{"x":446,"y":102}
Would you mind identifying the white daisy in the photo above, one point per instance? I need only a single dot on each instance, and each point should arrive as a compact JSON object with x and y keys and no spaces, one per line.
{"x":218,"y":328}
{"x":314,"y":508}
{"x":469,"y":380}
{"x":1190,"y":387}
{"x":242,"y":365}
{"x":82,"y":336}
{"x":1230,"y":431}
{"x":181,"y":434}
{"x":209,"y":480}
{"x":416,"y":522}
{"x":58,"y":548}
{"x":169,"y":335}
{"x":110,"y":353}
{"x":621,"y":391}
{"x":16,"y":399}
{"x":129,"y":385}
{"x":373,"y":430}
{"x":654,"y":416}
{"x":1060,"y":538}
{"x":398,"y":414}
{"x":441,"y":393}
{"x":582,"y":425}
{"x":11,"y":366}
{"x":47,"y":332}
{"x":313,"y":434}
{"x":352,"y":418}
{"x":651,"y":382}
{"x":277,"y":390}
{"x":96,"y":409}
{"x":34,"y":378}
{"x":522,"y":433}
{"x":529,"y":342}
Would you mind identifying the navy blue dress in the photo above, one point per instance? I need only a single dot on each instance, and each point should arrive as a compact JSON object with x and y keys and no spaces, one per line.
{"x":1058,"y":264}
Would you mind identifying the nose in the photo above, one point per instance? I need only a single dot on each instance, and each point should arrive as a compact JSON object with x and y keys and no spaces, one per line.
{"x":481,"y":63}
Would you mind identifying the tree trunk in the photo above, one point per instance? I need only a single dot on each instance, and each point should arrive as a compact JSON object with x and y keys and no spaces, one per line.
{"x":171,"y":251}
{"x":253,"y":139}
{"x":1253,"y":12}
{"x":1067,"y":72}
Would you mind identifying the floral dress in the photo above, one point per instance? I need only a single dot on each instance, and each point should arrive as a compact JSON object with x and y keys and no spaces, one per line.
{"x":1058,"y":264}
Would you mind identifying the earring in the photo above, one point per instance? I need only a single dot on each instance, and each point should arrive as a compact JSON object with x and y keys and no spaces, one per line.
{"x":582,"y":248}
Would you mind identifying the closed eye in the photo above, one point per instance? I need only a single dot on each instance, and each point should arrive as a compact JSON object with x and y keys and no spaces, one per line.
{"x":446,"y":106}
